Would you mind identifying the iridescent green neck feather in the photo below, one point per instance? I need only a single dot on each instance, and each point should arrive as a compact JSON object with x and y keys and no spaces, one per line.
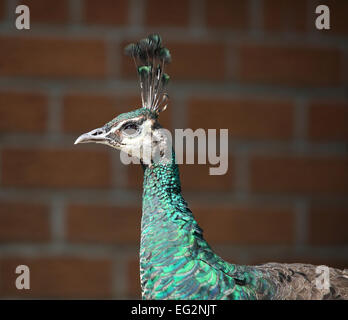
{"x":175,"y":260}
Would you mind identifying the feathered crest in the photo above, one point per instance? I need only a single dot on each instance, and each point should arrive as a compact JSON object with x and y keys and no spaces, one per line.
{"x":150,"y":58}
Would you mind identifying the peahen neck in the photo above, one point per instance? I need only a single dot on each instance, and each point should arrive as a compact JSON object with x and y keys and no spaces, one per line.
{"x":167,"y":224}
{"x":175,"y":260}
{"x":164,"y":209}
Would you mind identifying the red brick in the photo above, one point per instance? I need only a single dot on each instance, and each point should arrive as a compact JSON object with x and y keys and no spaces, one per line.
{"x":227,"y":14}
{"x":197,"y":61}
{"x":193,"y":177}
{"x":285,"y":15}
{"x":103,"y":224}
{"x":56,"y":168}
{"x":58,"y":57}
{"x":133,"y":279}
{"x":328,"y":225}
{"x":22,"y":112}
{"x":167,"y":13}
{"x":295,"y":66}
{"x":85,"y":111}
{"x":24,"y":222}
{"x":338,"y":17}
{"x":191,"y":61}
{"x":58,"y":277}
{"x":135,"y":176}
{"x":299,"y":174}
{"x":47,"y":11}
{"x":245,"y":119}
{"x":106,"y":12}
{"x":328,"y":120}
{"x":241,"y":225}
{"x":196,"y":177}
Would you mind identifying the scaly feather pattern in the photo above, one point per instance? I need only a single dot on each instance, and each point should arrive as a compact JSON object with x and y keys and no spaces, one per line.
{"x":175,"y":260}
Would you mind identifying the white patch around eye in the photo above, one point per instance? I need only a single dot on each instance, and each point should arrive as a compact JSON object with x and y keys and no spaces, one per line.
{"x":145,"y":130}
{"x":137,"y":145}
{"x":150,"y":145}
{"x":143,"y":138}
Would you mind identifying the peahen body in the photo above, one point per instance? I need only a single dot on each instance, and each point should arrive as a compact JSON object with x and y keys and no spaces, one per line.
{"x":175,"y":260}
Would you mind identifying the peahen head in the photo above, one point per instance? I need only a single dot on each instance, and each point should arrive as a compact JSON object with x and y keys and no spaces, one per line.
{"x":138,"y":133}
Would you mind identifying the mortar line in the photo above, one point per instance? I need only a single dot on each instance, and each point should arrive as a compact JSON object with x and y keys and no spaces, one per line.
{"x":241,"y":174}
{"x":196,"y":18}
{"x":256,"y":18}
{"x":55,"y":106}
{"x":301,"y":225}
{"x":300,"y":124}
{"x":10,"y":8}
{"x":136,"y":16}
{"x":231,"y":61}
{"x":58,"y":225}
{"x":76,"y":11}
{"x":179,"y":110}
{"x":116,"y":284}
{"x":113,"y":59}
{"x":119,"y":171}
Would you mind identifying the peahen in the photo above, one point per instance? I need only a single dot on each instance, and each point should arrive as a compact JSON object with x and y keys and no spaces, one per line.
{"x":175,"y":260}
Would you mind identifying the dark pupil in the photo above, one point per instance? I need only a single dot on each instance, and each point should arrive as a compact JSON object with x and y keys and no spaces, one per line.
{"x":130,"y":128}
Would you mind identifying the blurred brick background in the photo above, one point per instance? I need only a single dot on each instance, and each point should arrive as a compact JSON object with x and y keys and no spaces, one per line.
{"x":258,"y":68}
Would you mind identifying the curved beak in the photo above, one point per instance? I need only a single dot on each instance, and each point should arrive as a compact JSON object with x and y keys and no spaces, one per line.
{"x":97,"y":136}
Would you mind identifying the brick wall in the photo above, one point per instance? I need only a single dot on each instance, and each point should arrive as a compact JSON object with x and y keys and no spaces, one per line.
{"x":258,"y":68}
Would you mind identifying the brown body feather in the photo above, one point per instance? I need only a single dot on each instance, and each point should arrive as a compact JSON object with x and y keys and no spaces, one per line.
{"x":300,"y":281}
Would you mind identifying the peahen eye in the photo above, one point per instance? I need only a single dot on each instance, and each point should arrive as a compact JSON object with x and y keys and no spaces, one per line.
{"x":130,"y":128}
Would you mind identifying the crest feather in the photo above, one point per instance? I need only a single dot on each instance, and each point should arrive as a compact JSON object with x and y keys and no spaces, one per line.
{"x":150,"y":58}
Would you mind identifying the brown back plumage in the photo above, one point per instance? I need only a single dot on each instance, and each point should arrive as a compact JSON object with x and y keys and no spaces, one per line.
{"x":300,"y":281}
